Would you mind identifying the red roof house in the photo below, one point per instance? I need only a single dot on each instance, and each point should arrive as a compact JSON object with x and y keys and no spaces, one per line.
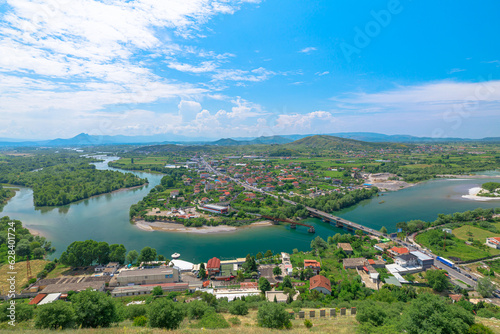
{"x":213,"y":266}
{"x":396,"y":251}
{"x":320,"y":284}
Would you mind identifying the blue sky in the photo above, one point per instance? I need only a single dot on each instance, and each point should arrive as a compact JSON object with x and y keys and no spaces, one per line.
{"x":248,"y":67}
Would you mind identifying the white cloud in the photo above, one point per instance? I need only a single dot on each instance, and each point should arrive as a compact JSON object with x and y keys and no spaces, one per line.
{"x":207,"y":66}
{"x":308,"y":49}
{"x":456,"y":70}
{"x":320,"y":74}
{"x":316,"y":120}
{"x":255,"y":75}
{"x":189,"y":109}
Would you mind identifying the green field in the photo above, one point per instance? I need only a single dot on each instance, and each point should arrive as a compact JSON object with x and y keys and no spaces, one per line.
{"x":459,"y":249}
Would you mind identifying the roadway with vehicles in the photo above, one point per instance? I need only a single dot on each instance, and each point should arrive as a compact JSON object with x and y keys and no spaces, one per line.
{"x":453,"y":272}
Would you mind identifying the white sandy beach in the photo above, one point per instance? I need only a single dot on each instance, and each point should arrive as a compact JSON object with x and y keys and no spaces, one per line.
{"x":172,"y":227}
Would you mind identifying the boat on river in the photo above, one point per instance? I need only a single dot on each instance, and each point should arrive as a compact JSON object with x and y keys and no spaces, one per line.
{"x":175,"y":256}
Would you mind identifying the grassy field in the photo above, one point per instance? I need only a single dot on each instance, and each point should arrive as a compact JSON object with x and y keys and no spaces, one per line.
{"x":21,"y":278}
{"x":59,"y":270}
{"x":459,"y":250}
{"x":476,"y":233}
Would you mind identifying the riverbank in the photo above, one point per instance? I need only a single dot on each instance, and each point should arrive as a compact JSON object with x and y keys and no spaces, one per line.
{"x":468,"y":176}
{"x":473,"y":195}
{"x":173,"y":227}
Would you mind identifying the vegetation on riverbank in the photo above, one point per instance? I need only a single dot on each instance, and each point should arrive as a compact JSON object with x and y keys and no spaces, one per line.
{"x":59,"y":179}
{"x":5,"y":195}
{"x":19,"y":241}
{"x":490,"y":189}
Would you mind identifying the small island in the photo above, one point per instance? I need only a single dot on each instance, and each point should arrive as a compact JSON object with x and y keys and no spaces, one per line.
{"x":490,"y":189}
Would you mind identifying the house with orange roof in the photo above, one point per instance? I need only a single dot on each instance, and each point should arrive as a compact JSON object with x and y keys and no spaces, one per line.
{"x":320,"y":284}
{"x":314,"y":265}
{"x":396,"y":251}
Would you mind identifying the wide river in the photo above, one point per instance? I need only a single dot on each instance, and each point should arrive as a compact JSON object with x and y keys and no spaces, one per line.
{"x":105,"y":218}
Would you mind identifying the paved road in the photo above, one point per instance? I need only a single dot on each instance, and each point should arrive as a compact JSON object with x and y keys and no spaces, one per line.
{"x":411,"y":246}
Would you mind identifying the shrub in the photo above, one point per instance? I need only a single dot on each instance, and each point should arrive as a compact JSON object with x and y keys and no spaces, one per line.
{"x":164,"y":313}
{"x":273,"y":315}
{"x":308,"y":323}
{"x":196,"y":309}
{"x":140,"y":321}
{"x":94,"y":309}
{"x":235,"y":321}
{"x":238,"y":307}
{"x":136,"y":310}
{"x":55,"y":315}
{"x":212,"y":320}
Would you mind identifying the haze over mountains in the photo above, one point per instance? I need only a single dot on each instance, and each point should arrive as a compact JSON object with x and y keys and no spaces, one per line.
{"x":84,"y":139}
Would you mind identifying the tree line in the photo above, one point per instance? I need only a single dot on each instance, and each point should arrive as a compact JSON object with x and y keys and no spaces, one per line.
{"x":60,"y":180}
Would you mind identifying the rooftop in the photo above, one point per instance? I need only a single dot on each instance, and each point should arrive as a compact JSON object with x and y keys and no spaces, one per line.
{"x":319,"y":281}
{"x":149,"y":271}
{"x":66,"y":287}
{"x":345,"y":246}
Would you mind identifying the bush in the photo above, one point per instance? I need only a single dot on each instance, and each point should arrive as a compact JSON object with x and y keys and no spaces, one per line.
{"x":140,"y":321}
{"x":196,"y":309}
{"x":56,"y":315}
{"x":23,"y":312}
{"x":308,"y":323}
{"x":273,"y":315}
{"x":479,"y":329}
{"x":94,"y":309}
{"x":235,"y":321}
{"x":164,"y":313}
{"x":136,"y":310}
{"x":212,"y":320}
{"x":238,"y":307}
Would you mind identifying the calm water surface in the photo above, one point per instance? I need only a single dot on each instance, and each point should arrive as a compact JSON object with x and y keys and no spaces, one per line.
{"x":105,"y":218}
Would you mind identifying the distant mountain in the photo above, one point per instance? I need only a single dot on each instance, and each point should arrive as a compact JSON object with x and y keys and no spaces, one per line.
{"x":84,"y":139}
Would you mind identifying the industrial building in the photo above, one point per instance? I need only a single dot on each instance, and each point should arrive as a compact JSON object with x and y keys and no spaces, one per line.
{"x":148,"y":276}
{"x":215,"y":208}
{"x":135,"y":290}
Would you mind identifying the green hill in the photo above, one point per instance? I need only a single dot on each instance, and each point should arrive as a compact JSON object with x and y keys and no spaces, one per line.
{"x":324,"y":142}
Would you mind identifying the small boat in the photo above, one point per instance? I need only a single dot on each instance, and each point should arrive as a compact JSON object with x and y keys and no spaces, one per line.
{"x":175,"y":256}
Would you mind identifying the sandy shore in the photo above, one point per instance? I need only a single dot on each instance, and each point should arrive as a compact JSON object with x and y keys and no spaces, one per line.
{"x":473,"y":195}
{"x":173,"y":227}
{"x":35,"y":232}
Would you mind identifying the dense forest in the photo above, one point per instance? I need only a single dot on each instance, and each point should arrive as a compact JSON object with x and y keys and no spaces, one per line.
{"x":26,"y":244}
{"x":59,"y":179}
{"x":337,"y":200}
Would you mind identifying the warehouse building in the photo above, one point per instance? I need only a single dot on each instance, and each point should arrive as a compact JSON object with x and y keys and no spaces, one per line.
{"x":148,"y":276}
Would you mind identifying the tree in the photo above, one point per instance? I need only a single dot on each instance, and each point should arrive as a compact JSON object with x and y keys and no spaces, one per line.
{"x":238,"y":307}
{"x":432,"y":314}
{"x":383,"y":230}
{"x":268,"y":253}
{"x":277,"y":271}
{"x":259,"y":256}
{"x":196,"y":309}
{"x":485,"y":287}
{"x":437,"y":279}
{"x":117,"y":253}
{"x":132,"y":256}
{"x":102,"y":252}
{"x":23,"y":248}
{"x":55,"y":315}
{"x":319,"y":244}
{"x":202,"y":273}
{"x":359,"y":233}
{"x":148,"y":254}
{"x":240,"y":277}
{"x":94,"y":309}
{"x":157,"y":291}
{"x":162,"y":258}
{"x":264,"y":285}
{"x":164,"y":313}
{"x":287,"y":282}
{"x":273,"y":315}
